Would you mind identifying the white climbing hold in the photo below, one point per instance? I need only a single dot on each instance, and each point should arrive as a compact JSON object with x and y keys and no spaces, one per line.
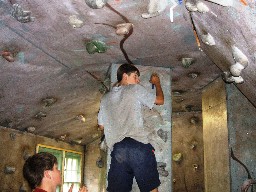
{"x":228,"y":78}
{"x":201,"y":7}
{"x":75,"y":22}
{"x":208,"y":39}
{"x":236,"y":69}
{"x":239,"y":56}
{"x":190,"y":7}
{"x":238,"y":80}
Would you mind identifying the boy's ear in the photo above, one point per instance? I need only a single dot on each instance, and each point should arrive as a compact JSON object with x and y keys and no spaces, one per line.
{"x":47,"y":174}
{"x":124,"y":76}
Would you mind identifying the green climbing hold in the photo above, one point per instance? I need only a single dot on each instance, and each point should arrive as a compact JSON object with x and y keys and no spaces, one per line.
{"x":96,"y":46}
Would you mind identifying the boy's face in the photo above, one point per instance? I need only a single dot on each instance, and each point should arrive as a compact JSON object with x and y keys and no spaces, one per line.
{"x":133,"y":78}
{"x":56,"y":175}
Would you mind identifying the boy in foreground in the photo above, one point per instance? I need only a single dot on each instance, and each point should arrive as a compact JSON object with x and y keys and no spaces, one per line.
{"x":41,"y":172}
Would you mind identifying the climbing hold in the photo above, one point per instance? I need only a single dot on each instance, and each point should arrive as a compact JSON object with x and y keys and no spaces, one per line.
{"x":195,"y":166}
{"x":201,"y":7}
{"x":236,"y":69}
{"x":20,"y":15}
{"x":75,"y":22}
{"x":239,"y":56}
{"x":123,"y":28}
{"x":208,"y":39}
{"x":228,"y":78}
{"x":244,"y":2}
{"x":193,"y":75}
{"x":161,"y":164}
{"x":48,"y":101}
{"x":96,"y":46}
{"x":63,"y":137}
{"x":80,"y":118}
{"x":8,"y":56}
{"x":40,"y":115}
{"x":163,"y":172}
{"x":187,"y":61}
{"x":161,"y":169}
{"x":241,"y":61}
{"x":13,"y":136}
{"x":193,"y":145}
{"x":30,"y":129}
{"x":194,"y":120}
{"x":177,"y":157}
{"x":155,"y":8}
{"x":23,"y":188}
{"x":96,"y":4}
{"x":9,"y":170}
{"x":99,"y":162}
{"x":190,"y":7}
{"x":162,"y":134}
{"x":26,"y":155}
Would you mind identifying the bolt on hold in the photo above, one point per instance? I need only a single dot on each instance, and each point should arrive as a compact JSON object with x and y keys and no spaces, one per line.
{"x":48,"y":101}
{"x":20,"y":15}
{"x":13,"y":136}
{"x":40,"y":115}
{"x":195,"y":166}
{"x":193,"y":75}
{"x":9,"y":170}
{"x":80,"y":118}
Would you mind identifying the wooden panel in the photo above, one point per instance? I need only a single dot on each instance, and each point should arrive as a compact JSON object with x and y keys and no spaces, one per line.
{"x":187,"y":139}
{"x":215,"y":136}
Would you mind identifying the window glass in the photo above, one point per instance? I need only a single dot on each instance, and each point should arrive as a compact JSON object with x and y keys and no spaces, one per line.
{"x":72,"y":171}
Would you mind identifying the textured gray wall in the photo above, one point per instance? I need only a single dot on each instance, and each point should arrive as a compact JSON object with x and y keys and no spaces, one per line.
{"x":242,"y":136}
{"x":94,"y":176}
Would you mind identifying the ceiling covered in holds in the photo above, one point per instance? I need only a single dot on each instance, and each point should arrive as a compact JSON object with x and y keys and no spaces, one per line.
{"x":56,"y":56}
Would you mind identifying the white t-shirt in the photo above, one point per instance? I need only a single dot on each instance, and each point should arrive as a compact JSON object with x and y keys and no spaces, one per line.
{"x":121,"y":113}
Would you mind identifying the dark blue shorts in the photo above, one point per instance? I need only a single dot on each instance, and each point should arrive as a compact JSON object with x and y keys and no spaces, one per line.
{"x":130,"y":159}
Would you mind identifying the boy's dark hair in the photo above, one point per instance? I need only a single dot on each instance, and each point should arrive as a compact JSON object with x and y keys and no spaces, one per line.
{"x":126,"y":68}
{"x":34,"y":167}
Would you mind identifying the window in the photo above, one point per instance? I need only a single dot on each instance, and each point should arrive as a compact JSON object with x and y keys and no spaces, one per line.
{"x":69,"y":162}
{"x":72,"y":171}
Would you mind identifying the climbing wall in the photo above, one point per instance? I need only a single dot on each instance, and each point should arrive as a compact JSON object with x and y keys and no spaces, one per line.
{"x":187,"y":152}
{"x":158,"y":120}
{"x":241,"y":126}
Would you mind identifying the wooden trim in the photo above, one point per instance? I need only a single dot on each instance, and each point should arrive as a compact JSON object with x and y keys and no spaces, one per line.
{"x":57,"y":148}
